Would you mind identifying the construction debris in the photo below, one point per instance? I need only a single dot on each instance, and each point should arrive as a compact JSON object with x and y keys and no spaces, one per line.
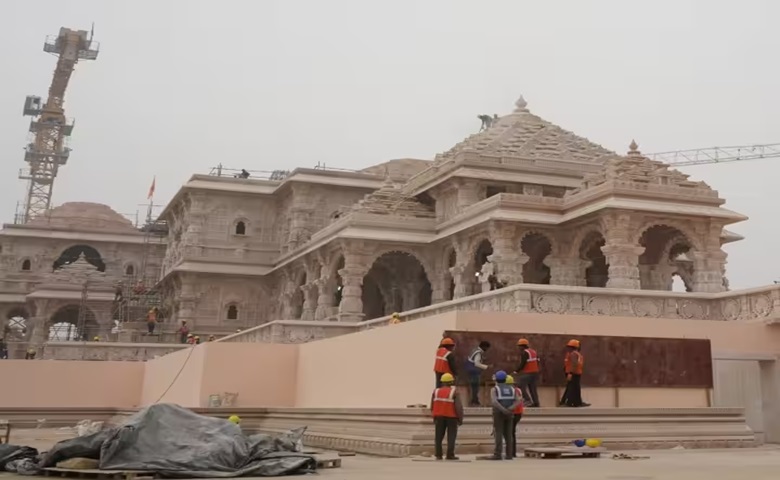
{"x":626,"y":456}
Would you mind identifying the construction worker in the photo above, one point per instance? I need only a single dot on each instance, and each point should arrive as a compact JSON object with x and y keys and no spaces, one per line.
{"x":445,"y":360}
{"x":190,"y":339}
{"x":573,"y":365}
{"x":395,"y":319}
{"x":475,"y":366}
{"x":504,"y":400}
{"x":447,"y":414}
{"x":151,"y":320}
{"x":212,"y":338}
{"x":528,"y":373}
{"x":518,"y":414}
{"x":184,"y":332}
{"x":234,"y":419}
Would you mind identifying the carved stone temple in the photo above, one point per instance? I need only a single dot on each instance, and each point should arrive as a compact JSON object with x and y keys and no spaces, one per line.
{"x":521,"y":202}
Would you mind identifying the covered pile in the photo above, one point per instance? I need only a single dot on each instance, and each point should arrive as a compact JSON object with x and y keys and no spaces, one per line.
{"x":172,"y":441}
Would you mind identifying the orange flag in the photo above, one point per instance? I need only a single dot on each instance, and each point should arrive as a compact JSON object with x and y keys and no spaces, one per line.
{"x":151,"y":189}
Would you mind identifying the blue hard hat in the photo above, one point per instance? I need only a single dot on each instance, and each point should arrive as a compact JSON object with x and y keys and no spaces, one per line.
{"x":500,"y":376}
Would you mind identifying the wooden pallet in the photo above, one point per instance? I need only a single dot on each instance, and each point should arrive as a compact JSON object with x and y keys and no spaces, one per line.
{"x":5,"y":425}
{"x":563,"y":452}
{"x":328,"y":463}
{"x":444,"y":461}
{"x":102,"y":474}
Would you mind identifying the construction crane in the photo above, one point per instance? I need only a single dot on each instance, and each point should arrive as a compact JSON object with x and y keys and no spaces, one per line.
{"x":702,"y":156}
{"x":48,"y":149}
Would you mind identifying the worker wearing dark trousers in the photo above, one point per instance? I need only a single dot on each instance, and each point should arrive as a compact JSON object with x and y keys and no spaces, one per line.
{"x":518,"y":413}
{"x":447,"y":416}
{"x":528,"y":373}
{"x":504,"y":400}
{"x":573,"y":365}
{"x":474,"y":367}
{"x":445,"y":360}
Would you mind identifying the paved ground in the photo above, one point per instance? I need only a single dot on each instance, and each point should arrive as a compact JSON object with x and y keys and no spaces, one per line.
{"x":732,"y":464}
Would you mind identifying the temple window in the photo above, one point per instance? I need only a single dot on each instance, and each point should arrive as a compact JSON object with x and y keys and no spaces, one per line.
{"x":232,"y":312}
{"x":240,"y":228}
{"x":26,"y":265}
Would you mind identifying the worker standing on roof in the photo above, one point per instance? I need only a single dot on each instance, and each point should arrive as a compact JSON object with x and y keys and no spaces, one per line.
{"x":475,"y":366}
{"x":573,"y":365}
{"x":528,"y":373}
{"x":447,"y":416}
{"x":445,"y":360}
{"x":518,"y":413}
{"x":504,"y":400}
{"x":151,"y":320}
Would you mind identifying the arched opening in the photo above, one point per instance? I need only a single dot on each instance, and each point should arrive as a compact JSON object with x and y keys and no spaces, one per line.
{"x":232,"y":312}
{"x":395,"y":282}
{"x":130,"y":270}
{"x":452,"y":260}
{"x":678,"y":284}
{"x":26,"y":265}
{"x":296,"y":303}
{"x":240,"y":228}
{"x":484,"y":270}
{"x":337,"y":293}
{"x":666,"y":254}
{"x":73,"y":253}
{"x":68,"y":324}
{"x":597,"y":270}
{"x":537,"y":247}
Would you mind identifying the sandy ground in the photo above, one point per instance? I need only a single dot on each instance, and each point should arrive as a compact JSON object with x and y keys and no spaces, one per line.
{"x":754,"y":464}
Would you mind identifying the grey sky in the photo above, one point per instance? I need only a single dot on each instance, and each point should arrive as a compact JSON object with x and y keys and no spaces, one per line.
{"x":180,"y":86}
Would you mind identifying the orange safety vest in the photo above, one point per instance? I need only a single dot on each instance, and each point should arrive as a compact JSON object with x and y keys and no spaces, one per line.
{"x":532,"y":365}
{"x":520,"y":408}
{"x":442,"y":365}
{"x":580,"y":364}
{"x":444,"y":402}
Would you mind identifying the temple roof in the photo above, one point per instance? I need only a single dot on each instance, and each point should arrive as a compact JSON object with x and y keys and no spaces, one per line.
{"x":399,"y":168}
{"x":83,"y":216}
{"x":523,"y":134}
{"x":389,"y":200}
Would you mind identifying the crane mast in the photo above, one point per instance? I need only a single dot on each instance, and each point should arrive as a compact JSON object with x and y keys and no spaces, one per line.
{"x":48,"y":148}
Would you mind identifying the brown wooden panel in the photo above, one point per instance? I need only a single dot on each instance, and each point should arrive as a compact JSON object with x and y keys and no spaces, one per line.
{"x":609,"y":361}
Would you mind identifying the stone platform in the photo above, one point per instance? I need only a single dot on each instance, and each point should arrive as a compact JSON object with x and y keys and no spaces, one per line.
{"x":409,"y":431}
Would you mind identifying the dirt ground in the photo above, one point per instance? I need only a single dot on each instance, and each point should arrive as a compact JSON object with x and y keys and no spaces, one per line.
{"x":754,"y":464}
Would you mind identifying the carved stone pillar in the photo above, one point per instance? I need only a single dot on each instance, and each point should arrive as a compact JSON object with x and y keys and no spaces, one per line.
{"x":309,"y":301}
{"x":623,"y":261}
{"x":440,"y":288}
{"x":507,"y":256}
{"x":462,"y":282}
{"x":708,"y":269}
{"x":326,"y":287}
{"x":355,"y":268}
{"x":567,"y":271}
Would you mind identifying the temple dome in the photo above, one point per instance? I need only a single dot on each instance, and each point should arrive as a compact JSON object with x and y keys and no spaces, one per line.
{"x":83,"y":216}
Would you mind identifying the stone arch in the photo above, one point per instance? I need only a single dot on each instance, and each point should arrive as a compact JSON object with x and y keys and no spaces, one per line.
{"x":596,"y":267}
{"x":65,"y":324}
{"x":479,"y":256}
{"x":666,"y":250}
{"x":682,"y":228}
{"x":396,"y":281}
{"x":71,"y":254}
{"x":537,"y":246}
{"x":26,"y":265}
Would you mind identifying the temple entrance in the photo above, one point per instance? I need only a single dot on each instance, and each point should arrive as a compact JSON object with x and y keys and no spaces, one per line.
{"x":64,"y":325}
{"x":396,"y":282}
{"x":72,"y":254}
{"x":597,"y":270}
{"x":537,"y":247}
{"x":665,"y":256}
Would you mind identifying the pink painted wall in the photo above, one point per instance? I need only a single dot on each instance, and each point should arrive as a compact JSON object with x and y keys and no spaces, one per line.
{"x":69,"y":383}
{"x":385,"y":367}
{"x":262,"y":374}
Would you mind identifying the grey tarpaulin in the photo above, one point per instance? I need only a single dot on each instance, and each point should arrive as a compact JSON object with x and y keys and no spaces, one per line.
{"x":12,"y":454}
{"x":176,"y":442}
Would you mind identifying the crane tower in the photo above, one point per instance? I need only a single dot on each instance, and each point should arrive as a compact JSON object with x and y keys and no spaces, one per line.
{"x":48,"y":148}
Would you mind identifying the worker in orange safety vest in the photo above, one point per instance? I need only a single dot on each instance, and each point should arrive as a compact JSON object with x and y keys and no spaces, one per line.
{"x":447,"y":413}
{"x":528,"y":373}
{"x":445,"y":360}
{"x":518,"y":413}
{"x":573,"y":365}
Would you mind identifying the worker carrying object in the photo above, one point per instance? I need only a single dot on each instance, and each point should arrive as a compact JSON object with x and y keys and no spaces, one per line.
{"x":528,"y":373}
{"x":447,"y":413}
{"x":474,"y":367}
{"x":234,"y":419}
{"x":518,"y":413}
{"x":445,"y":360}
{"x":395,"y":319}
{"x":504,"y":400}
{"x":573,"y":365}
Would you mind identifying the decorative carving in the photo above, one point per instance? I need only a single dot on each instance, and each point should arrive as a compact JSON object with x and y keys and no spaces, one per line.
{"x":731,"y":309}
{"x":762,"y":306}
{"x":601,"y":305}
{"x":647,"y":307}
{"x":551,"y":303}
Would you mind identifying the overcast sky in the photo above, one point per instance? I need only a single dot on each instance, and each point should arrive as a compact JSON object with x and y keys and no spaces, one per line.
{"x":180,"y":86}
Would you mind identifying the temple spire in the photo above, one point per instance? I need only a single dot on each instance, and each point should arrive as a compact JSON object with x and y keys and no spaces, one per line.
{"x":633,"y":149}
{"x":521,"y":105}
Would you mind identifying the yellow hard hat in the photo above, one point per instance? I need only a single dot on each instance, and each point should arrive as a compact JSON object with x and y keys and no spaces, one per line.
{"x":234,"y":419}
{"x":510,"y":379}
{"x":447,"y":378}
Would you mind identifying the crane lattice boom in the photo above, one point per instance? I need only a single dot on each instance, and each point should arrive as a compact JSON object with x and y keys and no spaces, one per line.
{"x":700,"y":156}
{"x":48,"y":149}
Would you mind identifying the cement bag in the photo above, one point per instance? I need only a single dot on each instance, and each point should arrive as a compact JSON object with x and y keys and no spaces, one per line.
{"x":173,"y":441}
